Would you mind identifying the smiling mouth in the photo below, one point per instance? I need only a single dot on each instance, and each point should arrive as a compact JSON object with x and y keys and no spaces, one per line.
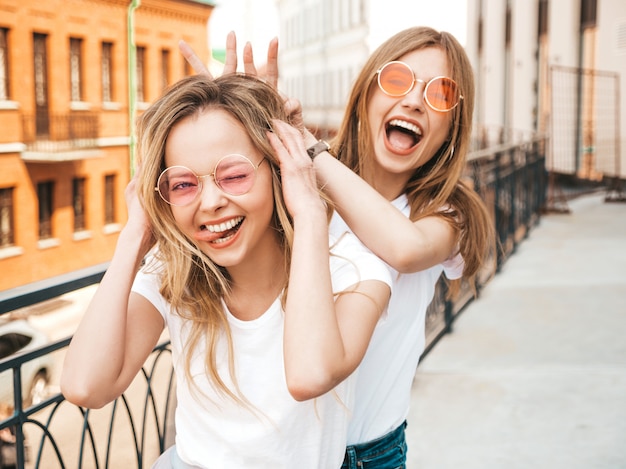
{"x":225,"y":230}
{"x":403,"y":135}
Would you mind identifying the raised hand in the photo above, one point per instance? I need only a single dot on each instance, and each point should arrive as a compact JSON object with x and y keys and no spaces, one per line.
{"x":299,"y":182}
{"x":230,"y":65}
{"x":138,"y":222}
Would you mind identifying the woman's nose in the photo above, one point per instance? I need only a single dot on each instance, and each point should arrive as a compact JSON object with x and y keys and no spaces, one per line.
{"x":415,"y":98}
{"x":211,"y":196}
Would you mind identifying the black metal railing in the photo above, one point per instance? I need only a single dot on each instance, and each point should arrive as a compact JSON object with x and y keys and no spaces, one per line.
{"x":133,"y":430}
{"x":130,"y":432}
{"x":60,"y":132}
{"x":512,"y":180}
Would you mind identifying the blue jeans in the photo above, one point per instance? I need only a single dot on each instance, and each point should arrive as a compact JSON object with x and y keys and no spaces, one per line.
{"x":386,"y":452}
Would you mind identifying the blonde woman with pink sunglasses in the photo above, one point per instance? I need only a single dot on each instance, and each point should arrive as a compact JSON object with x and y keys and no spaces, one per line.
{"x":268,"y":315}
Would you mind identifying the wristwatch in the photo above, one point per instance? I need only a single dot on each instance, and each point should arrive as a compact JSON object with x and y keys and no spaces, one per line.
{"x":317,"y":148}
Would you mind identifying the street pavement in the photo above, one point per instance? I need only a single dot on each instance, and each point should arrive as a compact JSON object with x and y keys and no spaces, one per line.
{"x":533,"y":374}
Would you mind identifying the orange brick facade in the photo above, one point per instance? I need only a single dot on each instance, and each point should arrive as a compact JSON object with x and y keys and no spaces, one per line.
{"x":86,"y":140}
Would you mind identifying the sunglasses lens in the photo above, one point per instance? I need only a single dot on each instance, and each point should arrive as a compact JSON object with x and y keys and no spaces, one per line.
{"x":442,"y":94}
{"x":234,"y":174}
{"x":178,"y":185}
{"x":395,"y":79}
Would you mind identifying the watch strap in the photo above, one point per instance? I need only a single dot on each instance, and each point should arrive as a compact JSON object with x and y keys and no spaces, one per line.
{"x":317,"y":148}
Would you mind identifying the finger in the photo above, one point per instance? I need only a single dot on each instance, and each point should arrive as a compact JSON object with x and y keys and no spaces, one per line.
{"x":279,"y":148}
{"x":231,"y":53}
{"x":272,"y":63}
{"x":292,"y":140}
{"x":248,"y":60}
{"x":192,"y":59}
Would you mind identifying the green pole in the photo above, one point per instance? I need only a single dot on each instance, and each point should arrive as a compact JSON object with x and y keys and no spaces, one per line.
{"x":132,"y":82}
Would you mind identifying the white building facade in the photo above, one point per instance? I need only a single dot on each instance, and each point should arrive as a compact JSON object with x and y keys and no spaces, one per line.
{"x":514,"y":46}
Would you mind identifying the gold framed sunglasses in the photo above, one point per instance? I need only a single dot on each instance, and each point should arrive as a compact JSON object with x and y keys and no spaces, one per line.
{"x":397,"y":79}
{"x":233,"y":174}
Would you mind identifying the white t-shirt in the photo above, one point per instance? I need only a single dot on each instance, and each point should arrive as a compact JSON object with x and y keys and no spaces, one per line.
{"x":386,"y":373}
{"x":215,"y":432}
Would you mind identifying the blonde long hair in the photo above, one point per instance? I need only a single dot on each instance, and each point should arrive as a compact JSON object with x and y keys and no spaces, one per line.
{"x":437,"y":183}
{"x":190,"y":281}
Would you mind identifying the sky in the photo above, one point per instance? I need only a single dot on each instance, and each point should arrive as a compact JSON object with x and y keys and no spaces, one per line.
{"x":227,"y":17}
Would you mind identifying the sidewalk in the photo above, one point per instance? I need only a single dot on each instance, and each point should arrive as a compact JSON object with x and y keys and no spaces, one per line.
{"x":533,"y":374}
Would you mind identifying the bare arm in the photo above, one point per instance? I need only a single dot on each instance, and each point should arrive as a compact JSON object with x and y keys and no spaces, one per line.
{"x":119,"y":329}
{"x":405,"y":245}
{"x":324,"y":339}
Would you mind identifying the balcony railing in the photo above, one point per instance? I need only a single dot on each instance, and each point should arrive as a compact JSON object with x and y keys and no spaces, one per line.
{"x":512,"y":181}
{"x":133,"y":430}
{"x":60,"y":132}
{"x":129,"y":432}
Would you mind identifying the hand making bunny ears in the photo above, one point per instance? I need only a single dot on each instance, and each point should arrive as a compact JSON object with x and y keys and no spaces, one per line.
{"x":293,"y":105}
{"x":230,"y":65}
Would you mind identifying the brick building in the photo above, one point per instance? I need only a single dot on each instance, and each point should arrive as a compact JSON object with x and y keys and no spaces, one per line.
{"x":64,"y":121}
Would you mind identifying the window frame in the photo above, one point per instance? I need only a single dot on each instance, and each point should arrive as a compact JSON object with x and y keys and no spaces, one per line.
{"x":106,"y":71}
{"x":109,"y":199}
{"x":76,"y":69}
{"x":45,"y":199}
{"x":79,"y":203}
{"x":7,"y":217}
{"x":140,"y":71}
{"x":5,"y":82}
{"x":165,"y":68}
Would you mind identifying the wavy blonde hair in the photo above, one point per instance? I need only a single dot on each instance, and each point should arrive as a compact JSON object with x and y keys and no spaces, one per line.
{"x":437,"y":183}
{"x":192,"y":283}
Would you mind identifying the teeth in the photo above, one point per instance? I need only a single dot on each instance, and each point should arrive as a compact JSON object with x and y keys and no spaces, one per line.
{"x":227,"y":225}
{"x":406,"y":125}
{"x":221,"y":240}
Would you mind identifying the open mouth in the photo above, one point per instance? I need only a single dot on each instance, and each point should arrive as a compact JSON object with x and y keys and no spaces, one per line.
{"x":223,"y":231}
{"x":403,"y":135}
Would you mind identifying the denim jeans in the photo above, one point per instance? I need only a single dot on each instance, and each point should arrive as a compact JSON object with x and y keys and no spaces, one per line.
{"x":386,"y":452}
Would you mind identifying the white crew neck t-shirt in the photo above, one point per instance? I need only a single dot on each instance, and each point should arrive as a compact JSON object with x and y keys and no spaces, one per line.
{"x":386,"y":373}
{"x":213,"y":431}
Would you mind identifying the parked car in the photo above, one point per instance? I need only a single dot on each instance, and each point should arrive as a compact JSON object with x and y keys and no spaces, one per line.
{"x":16,"y":337}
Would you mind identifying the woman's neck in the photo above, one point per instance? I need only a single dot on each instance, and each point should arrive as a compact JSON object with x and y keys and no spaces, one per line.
{"x":387,"y":183}
{"x":255,"y":286}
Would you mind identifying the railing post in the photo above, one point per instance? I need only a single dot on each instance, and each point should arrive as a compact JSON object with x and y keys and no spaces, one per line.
{"x":497,"y":210}
{"x":513,"y":186}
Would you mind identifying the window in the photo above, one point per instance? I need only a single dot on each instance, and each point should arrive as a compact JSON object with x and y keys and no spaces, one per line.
{"x":109,"y":199}
{"x":165,"y":68}
{"x":479,"y":39}
{"x":140,"y":74}
{"x":76,"y":69}
{"x":107,"y":72}
{"x":78,"y":203}
{"x":507,"y":27}
{"x":7,"y":234}
{"x":588,"y":14}
{"x":543,"y":18}
{"x":4,"y":64}
{"x":44,"y":194}
{"x":40,"y":66}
